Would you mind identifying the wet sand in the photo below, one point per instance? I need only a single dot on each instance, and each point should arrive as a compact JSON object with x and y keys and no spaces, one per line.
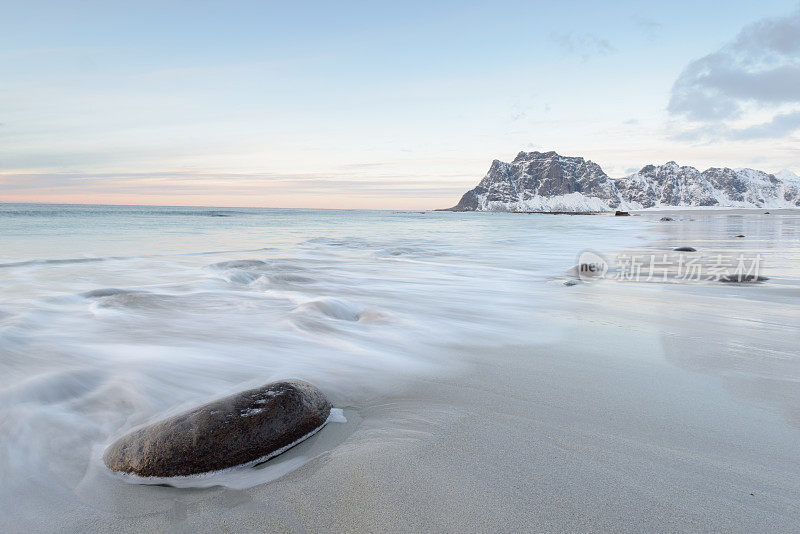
{"x":662,"y":408}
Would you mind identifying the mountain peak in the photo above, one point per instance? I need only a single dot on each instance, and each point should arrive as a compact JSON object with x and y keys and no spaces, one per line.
{"x":547,"y":181}
{"x":544,"y":156}
{"x":528,"y":156}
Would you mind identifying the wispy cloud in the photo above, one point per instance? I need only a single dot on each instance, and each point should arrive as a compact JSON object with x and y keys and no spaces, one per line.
{"x":759,"y":69}
{"x":648,"y":26}
{"x":780,"y":125}
{"x":583,"y":45}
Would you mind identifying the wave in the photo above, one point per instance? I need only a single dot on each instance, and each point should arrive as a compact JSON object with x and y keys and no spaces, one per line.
{"x":239,"y":264}
{"x":246,"y":272}
{"x":57,"y":387}
{"x":342,"y":242}
{"x":106,"y":292}
{"x":65,"y":261}
{"x":68,"y":261}
{"x":56,"y":211}
{"x":331,"y":308}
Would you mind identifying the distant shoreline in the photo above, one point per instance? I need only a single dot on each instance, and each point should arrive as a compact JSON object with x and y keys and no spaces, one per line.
{"x":660,"y":209}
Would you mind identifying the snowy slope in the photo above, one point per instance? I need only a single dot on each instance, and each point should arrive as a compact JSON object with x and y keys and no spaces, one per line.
{"x":787,"y":175}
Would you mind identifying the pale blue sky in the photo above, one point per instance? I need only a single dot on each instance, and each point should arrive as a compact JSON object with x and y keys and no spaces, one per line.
{"x":387,"y":105}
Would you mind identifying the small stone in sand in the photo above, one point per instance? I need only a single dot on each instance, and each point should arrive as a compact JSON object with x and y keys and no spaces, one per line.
{"x":742,"y":278}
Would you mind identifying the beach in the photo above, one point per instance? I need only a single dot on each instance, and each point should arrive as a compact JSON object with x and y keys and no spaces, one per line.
{"x":481,"y":393}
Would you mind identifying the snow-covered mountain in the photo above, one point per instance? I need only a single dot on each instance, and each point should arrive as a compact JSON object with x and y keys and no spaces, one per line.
{"x":787,"y":175}
{"x":546,"y":181}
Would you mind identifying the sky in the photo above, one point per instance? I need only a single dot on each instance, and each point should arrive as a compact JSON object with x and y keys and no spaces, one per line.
{"x":399,"y":105}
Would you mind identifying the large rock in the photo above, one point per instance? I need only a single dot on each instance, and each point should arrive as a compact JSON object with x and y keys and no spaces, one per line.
{"x":234,"y":430}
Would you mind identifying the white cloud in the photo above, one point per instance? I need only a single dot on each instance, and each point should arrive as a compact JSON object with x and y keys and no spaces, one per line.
{"x":759,"y":70}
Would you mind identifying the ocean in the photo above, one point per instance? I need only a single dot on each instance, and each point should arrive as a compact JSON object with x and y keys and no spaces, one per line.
{"x":113,"y":315}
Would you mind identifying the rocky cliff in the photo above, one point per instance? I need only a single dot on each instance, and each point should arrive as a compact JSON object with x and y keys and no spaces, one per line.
{"x":546,"y":181}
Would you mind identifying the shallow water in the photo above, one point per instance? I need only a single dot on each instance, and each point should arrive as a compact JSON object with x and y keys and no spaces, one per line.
{"x":111,"y":317}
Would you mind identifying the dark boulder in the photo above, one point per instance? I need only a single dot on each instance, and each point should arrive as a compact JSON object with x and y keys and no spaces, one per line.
{"x":234,"y":430}
{"x":685,"y":249}
{"x":742,"y":278}
{"x":621,"y":214}
{"x":667,"y":219}
{"x":740,"y":235}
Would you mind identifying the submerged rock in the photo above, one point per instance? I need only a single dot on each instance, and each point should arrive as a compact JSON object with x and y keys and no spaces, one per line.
{"x":621,"y":214}
{"x":742,"y":278}
{"x":685,"y":249}
{"x":241,"y":428}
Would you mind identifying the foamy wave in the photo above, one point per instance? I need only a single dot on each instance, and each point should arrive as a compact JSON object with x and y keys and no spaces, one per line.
{"x":330,"y":308}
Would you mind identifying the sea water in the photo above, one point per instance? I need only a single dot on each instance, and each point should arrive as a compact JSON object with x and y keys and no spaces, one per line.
{"x":112,"y":317}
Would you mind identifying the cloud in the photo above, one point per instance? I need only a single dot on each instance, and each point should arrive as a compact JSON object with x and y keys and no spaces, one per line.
{"x":780,"y":125}
{"x":518,"y":112}
{"x":648,"y":26}
{"x":759,"y":69}
{"x":584,"y":45}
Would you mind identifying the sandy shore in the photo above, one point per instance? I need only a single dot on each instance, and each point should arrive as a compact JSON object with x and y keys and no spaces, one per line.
{"x":666,"y":407}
